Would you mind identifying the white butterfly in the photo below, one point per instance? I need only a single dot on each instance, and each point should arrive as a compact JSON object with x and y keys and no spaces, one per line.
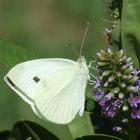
{"x":55,"y":88}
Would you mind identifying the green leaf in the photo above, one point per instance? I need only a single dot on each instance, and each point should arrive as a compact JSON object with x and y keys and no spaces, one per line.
{"x":130,"y":35}
{"x":6,"y":135}
{"x":99,"y":137}
{"x":11,"y":54}
{"x":23,"y":130}
{"x":81,"y":126}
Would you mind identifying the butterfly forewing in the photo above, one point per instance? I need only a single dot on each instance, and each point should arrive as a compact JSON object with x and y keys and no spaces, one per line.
{"x":26,"y":75}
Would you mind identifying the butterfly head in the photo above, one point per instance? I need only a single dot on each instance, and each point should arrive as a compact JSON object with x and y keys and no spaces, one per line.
{"x":83,"y":63}
{"x":81,"y":60}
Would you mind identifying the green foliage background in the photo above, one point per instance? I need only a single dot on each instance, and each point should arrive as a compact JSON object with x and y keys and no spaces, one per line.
{"x":46,"y":28}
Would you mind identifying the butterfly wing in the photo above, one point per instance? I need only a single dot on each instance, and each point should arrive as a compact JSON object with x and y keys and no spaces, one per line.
{"x":24,"y":77}
{"x":54,"y":88}
{"x":59,"y":97}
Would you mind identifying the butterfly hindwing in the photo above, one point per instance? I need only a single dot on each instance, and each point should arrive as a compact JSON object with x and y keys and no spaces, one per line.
{"x":61,"y":96}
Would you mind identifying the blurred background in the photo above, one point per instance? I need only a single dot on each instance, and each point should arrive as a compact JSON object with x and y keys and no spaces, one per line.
{"x":47,"y":27}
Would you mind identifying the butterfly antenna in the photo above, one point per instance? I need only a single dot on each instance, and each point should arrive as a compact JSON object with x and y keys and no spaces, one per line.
{"x":74,"y":50}
{"x":83,"y":40}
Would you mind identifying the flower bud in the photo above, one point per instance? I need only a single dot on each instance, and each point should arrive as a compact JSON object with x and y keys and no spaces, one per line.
{"x":111,"y":78}
{"x":121,"y":79}
{"x":103,"y":52}
{"x":122,"y":85}
{"x":124,"y":76}
{"x":109,"y":51}
{"x":120,"y":53}
{"x":118,"y":74}
{"x":99,"y":54}
{"x":116,"y":90}
{"x":129,"y":70}
{"x":125,"y":108}
{"x":121,"y":95}
{"x":101,"y":57}
{"x":128,"y":59}
{"x":126,"y":66}
{"x":133,"y":79}
{"x":122,"y":59}
{"x":125,"y":120}
{"x":132,"y":89}
{"x":100,"y":78}
{"x":102,"y":63}
{"x":106,"y":73}
{"x":106,"y":84}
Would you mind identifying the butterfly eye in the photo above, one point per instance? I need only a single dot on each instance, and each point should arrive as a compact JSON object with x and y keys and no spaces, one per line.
{"x":36,"y":79}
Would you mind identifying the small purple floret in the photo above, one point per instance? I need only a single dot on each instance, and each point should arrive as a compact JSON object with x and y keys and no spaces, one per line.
{"x":135,"y":113}
{"x":99,"y":95}
{"x":108,"y":96}
{"x":127,"y":65}
{"x":97,"y":84}
{"x":113,"y":108}
{"x":110,"y":111}
{"x":118,"y":103}
{"x":105,"y":99}
{"x":136,"y":72}
{"x":134,"y":100}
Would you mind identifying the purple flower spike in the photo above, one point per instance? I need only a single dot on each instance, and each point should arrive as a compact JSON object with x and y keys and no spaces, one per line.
{"x":117,"y":86}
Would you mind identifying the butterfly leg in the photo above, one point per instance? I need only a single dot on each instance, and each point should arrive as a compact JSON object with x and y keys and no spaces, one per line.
{"x":90,"y":65}
{"x":92,"y":82}
{"x":92,"y":75}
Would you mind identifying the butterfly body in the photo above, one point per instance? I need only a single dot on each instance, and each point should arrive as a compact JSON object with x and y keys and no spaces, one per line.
{"x":54,"y":87}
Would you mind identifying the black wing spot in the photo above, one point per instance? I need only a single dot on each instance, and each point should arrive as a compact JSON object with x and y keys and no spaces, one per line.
{"x":36,"y":79}
{"x":10,"y":81}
